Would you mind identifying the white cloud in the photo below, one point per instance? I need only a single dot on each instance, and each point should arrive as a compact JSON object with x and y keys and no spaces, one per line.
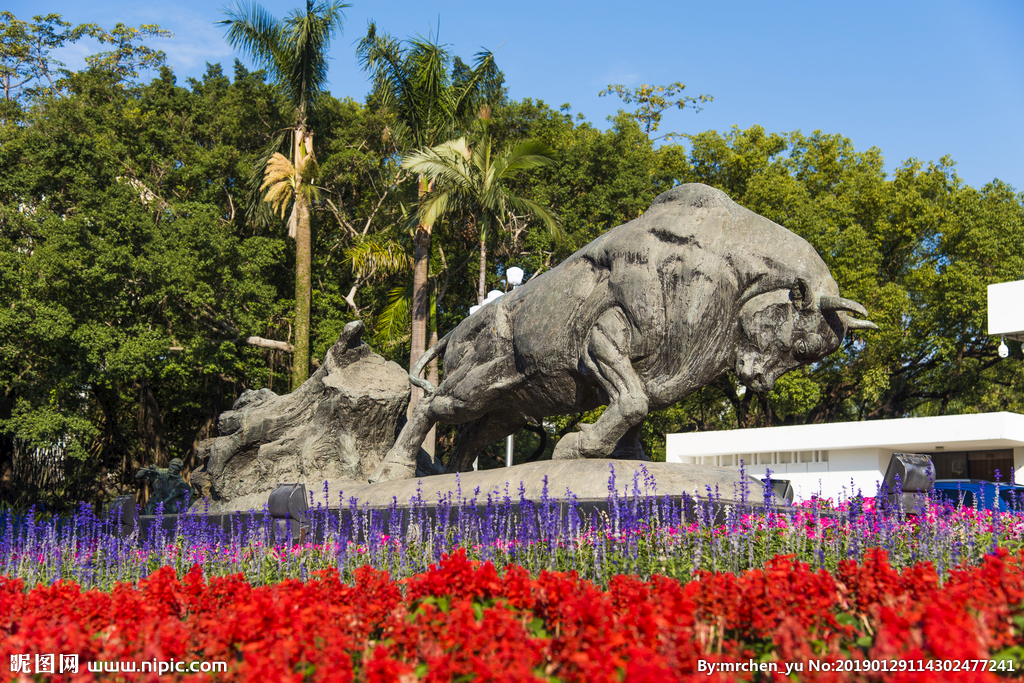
{"x":195,"y":43}
{"x":619,"y":76}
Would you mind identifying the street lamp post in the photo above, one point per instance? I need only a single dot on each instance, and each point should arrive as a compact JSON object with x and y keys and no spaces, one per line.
{"x":513,"y":278}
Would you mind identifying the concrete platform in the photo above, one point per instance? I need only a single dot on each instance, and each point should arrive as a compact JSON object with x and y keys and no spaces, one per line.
{"x":589,"y":480}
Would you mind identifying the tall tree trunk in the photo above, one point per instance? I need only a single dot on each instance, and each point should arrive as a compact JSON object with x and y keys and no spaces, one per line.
{"x":303,"y":292}
{"x":430,"y":441}
{"x":420,"y":294}
{"x":481,"y":293}
{"x":151,"y":425}
{"x":303,"y":261}
{"x":112,"y":447}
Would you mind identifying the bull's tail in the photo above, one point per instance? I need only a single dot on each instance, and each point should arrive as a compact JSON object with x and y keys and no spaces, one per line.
{"x":432,"y":353}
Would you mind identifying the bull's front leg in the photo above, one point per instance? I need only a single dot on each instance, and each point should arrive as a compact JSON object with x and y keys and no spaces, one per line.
{"x":608,"y":360}
{"x":400,"y":461}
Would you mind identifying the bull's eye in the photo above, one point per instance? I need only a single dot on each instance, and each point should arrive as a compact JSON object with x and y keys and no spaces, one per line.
{"x":801,"y":348}
{"x":798,"y":295}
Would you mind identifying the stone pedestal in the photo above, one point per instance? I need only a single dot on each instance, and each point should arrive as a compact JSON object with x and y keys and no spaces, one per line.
{"x":337,"y":426}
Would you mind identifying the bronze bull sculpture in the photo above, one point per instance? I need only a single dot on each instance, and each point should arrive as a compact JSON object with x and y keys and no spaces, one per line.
{"x":636,"y":320}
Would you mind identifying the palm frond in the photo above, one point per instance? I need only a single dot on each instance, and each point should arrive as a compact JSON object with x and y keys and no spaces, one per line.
{"x":376,"y":255}
{"x":415,"y":82}
{"x":256,"y":210}
{"x":523,"y":156}
{"x":435,"y":206}
{"x":455,"y":149}
{"x":546,"y":215}
{"x":393,"y":322}
{"x":428,"y":109}
{"x":253,"y":30}
{"x":381,"y":56}
{"x":307,"y":36}
{"x":294,"y":51}
{"x":482,"y":84}
{"x":445,"y":162}
{"x":481,"y":161}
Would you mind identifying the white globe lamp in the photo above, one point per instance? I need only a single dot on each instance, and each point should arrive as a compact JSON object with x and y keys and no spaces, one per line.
{"x":514,"y":276}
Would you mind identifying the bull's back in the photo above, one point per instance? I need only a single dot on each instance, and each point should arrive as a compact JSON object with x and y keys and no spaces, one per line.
{"x":680,"y":273}
{"x":551,"y":316}
{"x":663,"y":270}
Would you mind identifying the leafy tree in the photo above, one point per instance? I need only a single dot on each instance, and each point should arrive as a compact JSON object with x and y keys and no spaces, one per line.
{"x":25,"y":49}
{"x":428,"y":98}
{"x":918,"y":249}
{"x":128,"y":291}
{"x":27,"y":69}
{"x":652,"y":101}
{"x":295,"y":53}
{"x":604,"y":179}
{"x":133,"y":280}
{"x":127,"y":58}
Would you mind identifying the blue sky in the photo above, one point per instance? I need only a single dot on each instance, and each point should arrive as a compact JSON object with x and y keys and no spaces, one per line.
{"x":915,"y":78}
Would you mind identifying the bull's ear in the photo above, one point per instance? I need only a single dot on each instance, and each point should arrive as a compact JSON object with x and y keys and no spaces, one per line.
{"x":799,"y":295}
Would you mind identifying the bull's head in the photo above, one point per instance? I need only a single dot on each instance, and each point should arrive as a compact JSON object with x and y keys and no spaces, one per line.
{"x":786,"y":328}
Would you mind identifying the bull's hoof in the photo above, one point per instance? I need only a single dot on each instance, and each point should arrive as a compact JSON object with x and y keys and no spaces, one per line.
{"x":568,"y":447}
{"x":390,"y":470}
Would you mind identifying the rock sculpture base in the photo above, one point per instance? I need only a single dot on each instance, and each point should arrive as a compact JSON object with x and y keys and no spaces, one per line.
{"x":337,"y":426}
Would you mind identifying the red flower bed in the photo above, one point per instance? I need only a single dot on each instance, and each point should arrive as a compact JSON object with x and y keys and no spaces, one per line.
{"x":464,"y":619}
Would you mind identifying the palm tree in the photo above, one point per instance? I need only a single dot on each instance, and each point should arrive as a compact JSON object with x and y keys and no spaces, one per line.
{"x":294,"y":51}
{"x":428,"y":102}
{"x":475,"y":181}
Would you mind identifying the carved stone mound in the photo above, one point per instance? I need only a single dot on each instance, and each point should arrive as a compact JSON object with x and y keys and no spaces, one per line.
{"x":337,"y":426}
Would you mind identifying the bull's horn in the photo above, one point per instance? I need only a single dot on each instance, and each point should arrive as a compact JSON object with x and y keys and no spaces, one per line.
{"x":855,"y":324}
{"x":838,"y":303}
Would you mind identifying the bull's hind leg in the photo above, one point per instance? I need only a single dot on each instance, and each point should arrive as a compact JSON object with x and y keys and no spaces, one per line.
{"x":400,"y":461}
{"x":465,"y":396}
{"x":608,"y":360}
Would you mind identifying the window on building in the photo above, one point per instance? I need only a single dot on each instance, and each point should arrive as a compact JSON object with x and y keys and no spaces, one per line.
{"x":973,"y":464}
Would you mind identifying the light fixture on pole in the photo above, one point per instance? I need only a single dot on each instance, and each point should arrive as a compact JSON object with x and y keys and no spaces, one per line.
{"x":513,"y":277}
{"x":1004,"y":350}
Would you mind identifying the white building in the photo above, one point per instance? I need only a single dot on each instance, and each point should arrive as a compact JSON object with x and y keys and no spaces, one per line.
{"x":838,"y":460}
